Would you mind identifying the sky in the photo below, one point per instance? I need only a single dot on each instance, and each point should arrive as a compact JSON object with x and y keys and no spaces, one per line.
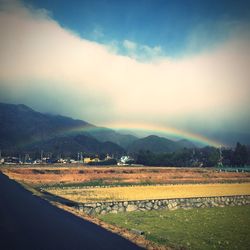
{"x":179,"y":65}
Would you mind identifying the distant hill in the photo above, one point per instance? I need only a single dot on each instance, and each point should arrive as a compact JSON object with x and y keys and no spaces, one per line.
{"x":20,"y":125}
{"x":184,"y":143}
{"x":23,"y":129}
{"x":158,"y":144}
{"x":70,"y":145}
{"x":105,"y":134}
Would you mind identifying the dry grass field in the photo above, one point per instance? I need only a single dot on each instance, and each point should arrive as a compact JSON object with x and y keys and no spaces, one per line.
{"x":195,"y":229}
{"x":151,"y":192}
{"x":54,"y":175}
{"x":74,"y":182}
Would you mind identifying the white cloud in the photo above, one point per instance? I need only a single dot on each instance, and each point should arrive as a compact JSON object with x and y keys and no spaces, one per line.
{"x":152,"y":52}
{"x":129,"y":45}
{"x":142,"y":52}
{"x":90,"y":81}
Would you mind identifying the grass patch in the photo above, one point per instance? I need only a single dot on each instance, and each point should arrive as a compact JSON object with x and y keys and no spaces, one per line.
{"x":95,"y":183}
{"x":107,"y":182}
{"x":208,"y":228}
{"x":38,"y":171}
{"x":46,"y":171}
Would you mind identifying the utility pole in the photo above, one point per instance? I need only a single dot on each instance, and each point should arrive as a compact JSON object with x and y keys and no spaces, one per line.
{"x":26,"y":158}
{"x":220,"y":164}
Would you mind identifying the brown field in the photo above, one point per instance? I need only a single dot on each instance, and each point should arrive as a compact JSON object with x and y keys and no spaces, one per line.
{"x":151,"y":192}
{"x":44,"y":175}
{"x":195,"y":182}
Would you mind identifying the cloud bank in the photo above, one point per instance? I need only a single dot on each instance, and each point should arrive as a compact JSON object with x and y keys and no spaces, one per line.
{"x":141,"y":52}
{"x":53,"y":70}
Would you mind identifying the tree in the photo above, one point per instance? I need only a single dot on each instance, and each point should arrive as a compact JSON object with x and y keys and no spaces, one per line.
{"x":209,"y":156}
{"x":240,"y":155}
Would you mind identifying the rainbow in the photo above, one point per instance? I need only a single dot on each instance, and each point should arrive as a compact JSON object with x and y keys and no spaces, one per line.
{"x":167,"y":131}
{"x":140,"y":127}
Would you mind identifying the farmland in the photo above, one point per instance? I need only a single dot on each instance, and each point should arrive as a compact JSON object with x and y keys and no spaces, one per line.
{"x":207,"y":228}
{"x":151,"y":192}
{"x":70,"y":176}
{"x":219,"y":228}
{"x":86,"y":184}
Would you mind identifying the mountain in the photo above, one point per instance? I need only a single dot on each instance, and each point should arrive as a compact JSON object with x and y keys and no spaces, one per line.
{"x":22,"y":128}
{"x":21,"y":125}
{"x":70,"y":145}
{"x":184,"y":143}
{"x":158,"y":144}
{"x":105,"y":134}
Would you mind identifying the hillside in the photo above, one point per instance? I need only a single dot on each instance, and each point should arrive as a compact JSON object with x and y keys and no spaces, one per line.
{"x":158,"y":144}
{"x":70,"y":145}
{"x":185,"y":144}
{"x":106,"y":134}
{"x":20,"y":125}
{"x":24,"y":130}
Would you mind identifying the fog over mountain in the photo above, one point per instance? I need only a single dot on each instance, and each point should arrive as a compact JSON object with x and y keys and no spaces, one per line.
{"x":187,"y":71}
{"x":24,"y":130}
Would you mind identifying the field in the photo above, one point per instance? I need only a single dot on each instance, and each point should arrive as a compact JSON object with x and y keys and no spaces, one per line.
{"x":151,"y":192}
{"x":85,"y":184}
{"x":71,"y":176}
{"x":213,"y":228}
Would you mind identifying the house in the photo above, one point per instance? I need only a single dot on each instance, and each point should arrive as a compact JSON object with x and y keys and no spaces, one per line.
{"x":86,"y":160}
{"x":125,"y":160}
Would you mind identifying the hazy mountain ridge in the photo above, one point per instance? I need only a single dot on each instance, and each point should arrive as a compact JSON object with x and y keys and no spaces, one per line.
{"x":158,"y":144}
{"x":105,"y":134}
{"x":72,"y":144}
{"x":23,"y":129}
{"x":21,"y":124}
{"x":184,"y":143}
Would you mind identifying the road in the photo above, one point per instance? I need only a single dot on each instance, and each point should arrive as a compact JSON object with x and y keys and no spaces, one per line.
{"x":31,"y":223}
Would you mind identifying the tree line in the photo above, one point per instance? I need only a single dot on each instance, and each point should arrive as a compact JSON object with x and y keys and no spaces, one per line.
{"x":198,"y":157}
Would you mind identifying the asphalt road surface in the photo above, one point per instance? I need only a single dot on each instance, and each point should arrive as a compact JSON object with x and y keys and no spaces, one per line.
{"x":30,"y":223}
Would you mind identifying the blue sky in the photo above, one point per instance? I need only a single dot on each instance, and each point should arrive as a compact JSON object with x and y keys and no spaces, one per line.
{"x":170,"y":25}
{"x":181,"y":65}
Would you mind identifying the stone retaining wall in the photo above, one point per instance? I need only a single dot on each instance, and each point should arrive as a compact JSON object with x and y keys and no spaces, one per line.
{"x":169,"y":204}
